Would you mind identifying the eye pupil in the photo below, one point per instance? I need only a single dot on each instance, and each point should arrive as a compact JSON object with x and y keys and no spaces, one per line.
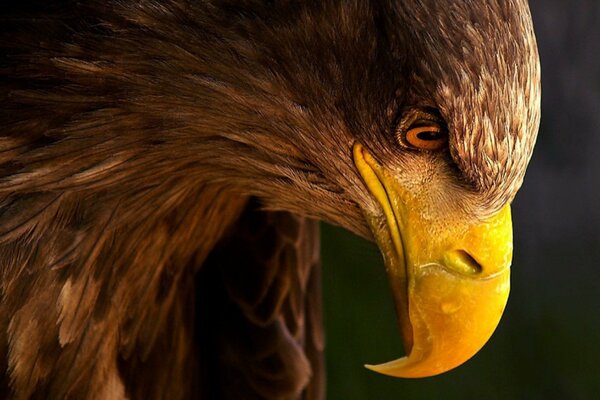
{"x":429,"y":135}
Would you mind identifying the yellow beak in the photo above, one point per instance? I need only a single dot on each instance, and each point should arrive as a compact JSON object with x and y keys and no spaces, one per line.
{"x":450,"y":278}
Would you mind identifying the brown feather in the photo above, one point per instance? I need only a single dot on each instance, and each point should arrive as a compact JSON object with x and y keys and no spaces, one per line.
{"x":134,"y":133}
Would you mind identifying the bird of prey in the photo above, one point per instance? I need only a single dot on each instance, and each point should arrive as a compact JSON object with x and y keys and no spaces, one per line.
{"x":163,"y":165}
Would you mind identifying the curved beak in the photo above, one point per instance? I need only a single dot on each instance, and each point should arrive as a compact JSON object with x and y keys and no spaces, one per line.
{"x":450,"y":278}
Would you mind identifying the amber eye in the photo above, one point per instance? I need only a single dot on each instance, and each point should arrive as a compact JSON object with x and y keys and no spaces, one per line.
{"x":426,"y":135}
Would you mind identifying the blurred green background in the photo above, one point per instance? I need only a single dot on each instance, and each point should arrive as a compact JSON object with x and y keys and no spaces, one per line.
{"x":548,"y":343}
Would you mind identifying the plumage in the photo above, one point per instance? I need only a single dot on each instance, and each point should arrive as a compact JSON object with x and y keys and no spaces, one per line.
{"x":162,"y":165}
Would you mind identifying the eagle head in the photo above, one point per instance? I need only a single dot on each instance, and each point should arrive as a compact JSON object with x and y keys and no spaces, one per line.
{"x":411,"y":123}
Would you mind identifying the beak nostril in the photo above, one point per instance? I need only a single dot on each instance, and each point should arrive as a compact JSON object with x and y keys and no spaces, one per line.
{"x":463,"y":262}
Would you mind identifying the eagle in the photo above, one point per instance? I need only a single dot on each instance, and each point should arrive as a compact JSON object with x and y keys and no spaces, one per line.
{"x":164,"y":165}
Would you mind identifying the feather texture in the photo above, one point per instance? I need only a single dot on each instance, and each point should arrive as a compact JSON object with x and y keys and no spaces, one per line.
{"x":160,"y":161}
{"x":116,"y":318}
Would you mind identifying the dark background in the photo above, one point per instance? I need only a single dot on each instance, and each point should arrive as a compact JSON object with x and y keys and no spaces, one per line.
{"x":548,"y":343}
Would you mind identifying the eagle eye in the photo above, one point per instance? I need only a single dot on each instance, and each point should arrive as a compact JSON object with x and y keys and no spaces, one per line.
{"x":427,"y":137}
{"x":423,"y":130}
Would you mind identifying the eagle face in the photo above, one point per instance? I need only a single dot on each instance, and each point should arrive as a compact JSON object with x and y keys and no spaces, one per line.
{"x":415,"y":126}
